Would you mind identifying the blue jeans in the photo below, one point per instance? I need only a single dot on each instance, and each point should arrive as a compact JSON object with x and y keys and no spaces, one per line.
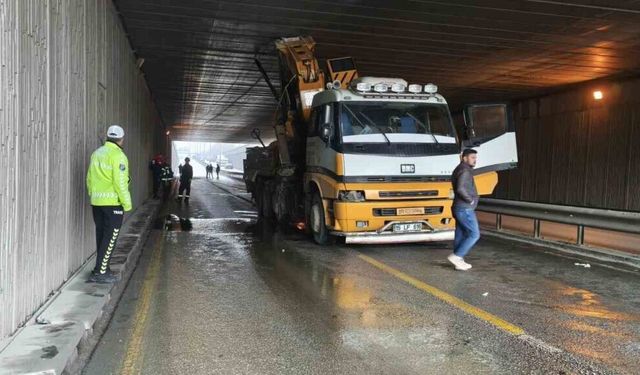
{"x":467,"y":231}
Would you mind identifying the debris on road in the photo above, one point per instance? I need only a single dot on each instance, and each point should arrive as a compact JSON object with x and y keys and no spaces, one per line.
{"x":585,"y":265}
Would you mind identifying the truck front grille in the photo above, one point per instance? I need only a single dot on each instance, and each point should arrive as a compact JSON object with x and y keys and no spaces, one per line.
{"x":433,"y":210}
{"x":408,"y":194}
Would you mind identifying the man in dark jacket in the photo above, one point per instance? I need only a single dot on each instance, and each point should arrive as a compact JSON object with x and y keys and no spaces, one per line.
{"x":464,"y":205}
{"x":155,"y":165}
{"x":185,"y":181}
{"x":166,"y":175}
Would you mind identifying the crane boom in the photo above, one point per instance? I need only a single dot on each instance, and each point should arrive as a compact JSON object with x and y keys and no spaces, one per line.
{"x":297,"y":59}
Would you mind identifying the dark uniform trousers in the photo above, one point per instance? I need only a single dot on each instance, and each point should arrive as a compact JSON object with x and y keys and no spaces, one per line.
{"x":184,"y":185}
{"x":108,"y":220}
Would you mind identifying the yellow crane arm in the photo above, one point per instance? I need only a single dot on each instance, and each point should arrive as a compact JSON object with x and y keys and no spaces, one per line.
{"x":298,"y":55}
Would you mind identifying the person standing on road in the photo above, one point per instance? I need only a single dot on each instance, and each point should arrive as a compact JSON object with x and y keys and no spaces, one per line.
{"x":217,"y":171}
{"x":108,"y":187}
{"x":166,"y":175}
{"x":464,"y":205}
{"x":155,"y":165}
{"x":185,"y":181}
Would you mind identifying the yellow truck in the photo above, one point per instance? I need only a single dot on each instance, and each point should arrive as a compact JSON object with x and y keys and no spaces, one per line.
{"x":368,"y":159}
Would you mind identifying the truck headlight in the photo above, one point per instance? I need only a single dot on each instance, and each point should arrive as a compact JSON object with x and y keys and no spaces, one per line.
{"x":451,"y":194}
{"x":351,"y":195}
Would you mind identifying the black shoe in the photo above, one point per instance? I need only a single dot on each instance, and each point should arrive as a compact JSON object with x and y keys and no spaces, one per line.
{"x":96,"y":272}
{"x":102,"y":278}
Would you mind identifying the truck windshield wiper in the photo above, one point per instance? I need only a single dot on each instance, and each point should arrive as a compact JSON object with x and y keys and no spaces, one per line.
{"x":428,"y":129}
{"x":377,"y":127}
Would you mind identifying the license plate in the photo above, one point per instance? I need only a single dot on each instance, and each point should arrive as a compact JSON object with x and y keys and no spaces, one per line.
{"x":410,"y":211}
{"x":408,"y":227}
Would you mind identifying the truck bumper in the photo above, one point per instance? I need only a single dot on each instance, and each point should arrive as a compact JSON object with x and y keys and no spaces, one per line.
{"x":391,"y":237}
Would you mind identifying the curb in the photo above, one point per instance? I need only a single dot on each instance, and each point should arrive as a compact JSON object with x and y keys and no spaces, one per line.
{"x":66,"y":330}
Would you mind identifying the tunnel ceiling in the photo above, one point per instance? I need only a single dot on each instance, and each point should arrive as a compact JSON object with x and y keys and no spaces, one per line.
{"x":198,"y":54}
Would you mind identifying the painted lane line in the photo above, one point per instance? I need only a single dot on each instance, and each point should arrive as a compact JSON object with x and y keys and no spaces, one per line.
{"x":133,"y":359}
{"x":446,"y":297}
{"x":464,"y":306}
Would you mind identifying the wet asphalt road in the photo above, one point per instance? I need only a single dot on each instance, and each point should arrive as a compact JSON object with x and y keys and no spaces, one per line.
{"x":230,"y":296}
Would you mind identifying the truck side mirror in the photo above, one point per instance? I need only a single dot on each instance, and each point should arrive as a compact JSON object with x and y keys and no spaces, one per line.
{"x":471,"y":134}
{"x":325,"y":132}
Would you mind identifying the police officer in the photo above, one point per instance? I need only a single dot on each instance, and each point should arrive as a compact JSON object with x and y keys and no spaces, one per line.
{"x":185,"y":181}
{"x":108,"y":187}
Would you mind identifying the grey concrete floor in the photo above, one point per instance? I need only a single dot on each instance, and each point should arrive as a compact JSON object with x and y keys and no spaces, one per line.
{"x":231,"y":296}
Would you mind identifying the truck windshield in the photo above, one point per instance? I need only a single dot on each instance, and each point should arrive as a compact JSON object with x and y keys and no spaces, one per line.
{"x":400,"y":121}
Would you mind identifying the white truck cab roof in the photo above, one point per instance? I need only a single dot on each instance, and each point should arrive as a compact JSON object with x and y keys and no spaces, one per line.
{"x":354,"y":95}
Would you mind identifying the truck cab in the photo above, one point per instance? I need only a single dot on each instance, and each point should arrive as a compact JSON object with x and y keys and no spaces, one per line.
{"x":379,"y":157}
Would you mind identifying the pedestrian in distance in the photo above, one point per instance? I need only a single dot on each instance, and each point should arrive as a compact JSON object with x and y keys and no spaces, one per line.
{"x":217,"y":171}
{"x":108,"y":188}
{"x":185,"y":181}
{"x":464,"y":205}
{"x":209,"y":171}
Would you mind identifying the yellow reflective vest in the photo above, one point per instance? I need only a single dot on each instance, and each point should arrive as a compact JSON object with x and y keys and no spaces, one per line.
{"x":108,"y":177}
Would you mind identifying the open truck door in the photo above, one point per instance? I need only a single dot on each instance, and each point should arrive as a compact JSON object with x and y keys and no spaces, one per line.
{"x":489,"y":129}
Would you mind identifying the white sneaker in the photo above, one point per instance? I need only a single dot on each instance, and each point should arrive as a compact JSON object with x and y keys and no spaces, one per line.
{"x":458,"y":262}
{"x":466,"y":264}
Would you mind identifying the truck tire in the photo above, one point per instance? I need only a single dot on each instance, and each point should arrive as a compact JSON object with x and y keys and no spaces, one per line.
{"x":316,"y":221}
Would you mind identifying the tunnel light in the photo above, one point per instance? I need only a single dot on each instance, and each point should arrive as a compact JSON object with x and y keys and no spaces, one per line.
{"x":363,"y":86}
{"x":398,"y":87}
{"x":598,"y":95}
{"x":430,"y":88}
{"x":168,"y":132}
{"x":416,"y":89}
{"x":381,"y":87}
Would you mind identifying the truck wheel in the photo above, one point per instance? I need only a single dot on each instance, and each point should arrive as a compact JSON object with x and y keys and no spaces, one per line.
{"x":316,"y":221}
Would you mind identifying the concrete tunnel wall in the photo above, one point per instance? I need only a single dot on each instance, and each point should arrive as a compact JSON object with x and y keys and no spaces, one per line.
{"x":67,"y":71}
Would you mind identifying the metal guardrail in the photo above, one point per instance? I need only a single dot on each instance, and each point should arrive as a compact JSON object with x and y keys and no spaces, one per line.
{"x":236,"y":175}
{"x":620,"y":221}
